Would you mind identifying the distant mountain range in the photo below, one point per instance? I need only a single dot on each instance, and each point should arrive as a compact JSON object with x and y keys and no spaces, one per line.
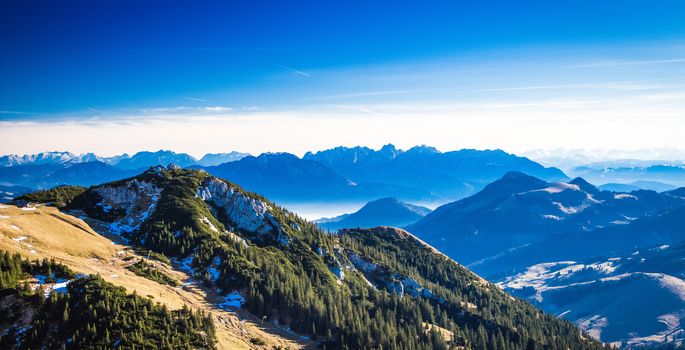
{"x":381,"y":212}
{"x":567,"y":159}
{"x":447,"y":175}
{"x":50,"y":175}
{"x":285,"y":177}
{"x":341,"y":174}
{"x":665,"y":173}
{"x":140,"y":160}
{"x":598,"y":258}
{"x":637,"y":185}
{"x":47,"y":158}
{"x":519,"y":209}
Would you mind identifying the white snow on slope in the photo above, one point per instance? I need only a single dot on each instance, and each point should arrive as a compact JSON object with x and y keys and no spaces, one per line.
{"x":232,"y":300}
{"x":624,"y":196}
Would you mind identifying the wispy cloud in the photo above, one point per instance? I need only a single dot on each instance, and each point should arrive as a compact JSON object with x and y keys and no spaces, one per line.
{"x":363,"y":109}
{"x":218,"y":109}
{"x":610,"y":85}
{"x":195,"y":99}
{"x":628,"y":63}
{"x":368,"y":94}
{"x":304,"y":74}
{"x":184,"y":109}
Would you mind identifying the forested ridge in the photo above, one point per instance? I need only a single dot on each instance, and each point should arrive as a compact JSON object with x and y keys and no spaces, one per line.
{"x":90,"y":314}
{"x":296,"y":275}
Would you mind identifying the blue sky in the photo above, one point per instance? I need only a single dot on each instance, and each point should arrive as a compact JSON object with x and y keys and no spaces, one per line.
{"x":84,"y":75}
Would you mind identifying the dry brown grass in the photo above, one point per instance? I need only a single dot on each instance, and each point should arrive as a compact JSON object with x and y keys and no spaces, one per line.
{"x":50,"y":233}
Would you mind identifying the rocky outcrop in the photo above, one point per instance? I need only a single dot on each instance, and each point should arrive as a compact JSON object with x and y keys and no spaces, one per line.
{"x":362,"y":264}
{"x":401,"y":285}
{"x":246,"y":213}
{"x":137,"y":199}
{"x":393,"y":282}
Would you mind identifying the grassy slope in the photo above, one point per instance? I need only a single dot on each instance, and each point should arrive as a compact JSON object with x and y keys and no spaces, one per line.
{"x":71,"y":241}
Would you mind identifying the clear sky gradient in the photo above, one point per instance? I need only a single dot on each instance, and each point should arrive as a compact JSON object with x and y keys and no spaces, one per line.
{"x":197,"y":77}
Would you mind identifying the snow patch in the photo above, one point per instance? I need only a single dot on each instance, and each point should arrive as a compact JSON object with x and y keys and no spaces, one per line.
{"x":624,"y":196}
{"x":558,"y":187}
{"x":232,"y":300}
{"x":60,"y":285}
{"x":185,"y":265}
{"x":593,"y":325}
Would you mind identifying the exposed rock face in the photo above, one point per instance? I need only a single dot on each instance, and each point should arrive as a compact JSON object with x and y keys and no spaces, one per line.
{"x":393,"y":282}
{"x":362,"y":264}
{"x":138,"y":199}
{"x":406,"y":285}
{"x":245,"y":212}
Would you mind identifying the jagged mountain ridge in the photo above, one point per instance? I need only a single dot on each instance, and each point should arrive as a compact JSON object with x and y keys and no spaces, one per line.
{"x":286,"y":177}
{"x":381,"y":212}
{"x":450,"y":175}
{"x":421,"y":173}
{"x":520,"y":209}
{"x":139,"y":160}
{"x":211,"y":159}
{"x":230,"y":239}
{"x":47,"y":158}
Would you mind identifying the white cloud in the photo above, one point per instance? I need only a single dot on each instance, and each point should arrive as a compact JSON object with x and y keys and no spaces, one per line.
{"x":218,"y":109}
{"x":195,"y":99}
{"x":183,"y":110}
{"x":515,"y":127}
{"x":618,"y":63}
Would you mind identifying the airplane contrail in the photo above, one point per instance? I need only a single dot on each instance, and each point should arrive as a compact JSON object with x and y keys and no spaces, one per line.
{"x":296,"y":71}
